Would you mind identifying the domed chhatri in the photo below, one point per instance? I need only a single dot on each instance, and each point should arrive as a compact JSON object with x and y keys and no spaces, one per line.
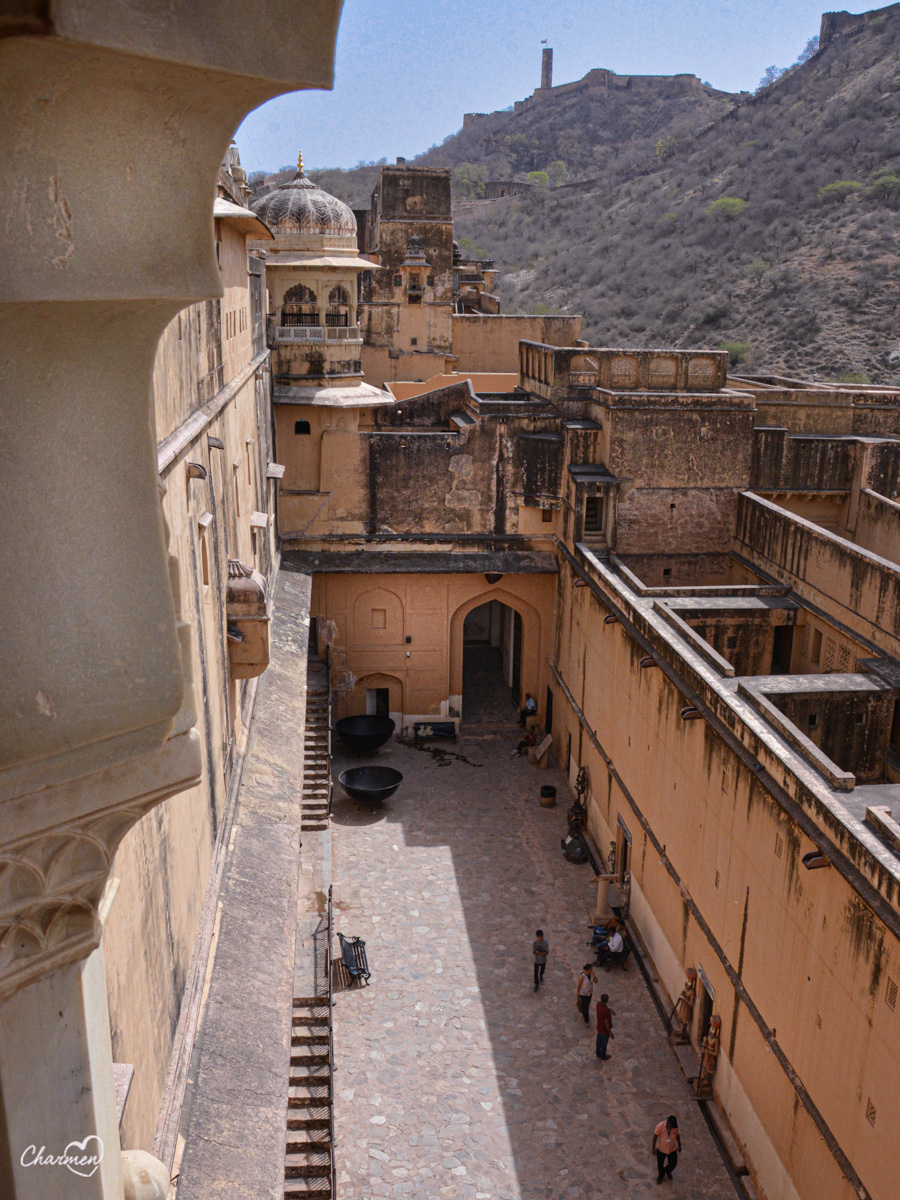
{"x":299,"y":207}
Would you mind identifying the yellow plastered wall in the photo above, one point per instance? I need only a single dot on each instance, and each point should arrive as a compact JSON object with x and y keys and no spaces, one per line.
{"x":375,"y":614}
{"x":815,"y":961}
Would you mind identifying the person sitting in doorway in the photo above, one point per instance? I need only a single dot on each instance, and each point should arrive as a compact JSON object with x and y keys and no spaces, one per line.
{"x":530,"y":709}
{"x":530,"y":739}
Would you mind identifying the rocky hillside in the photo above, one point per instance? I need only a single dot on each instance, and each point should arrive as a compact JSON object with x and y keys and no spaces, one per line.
{"x":580,"y":132}
{"x":772,"y":230}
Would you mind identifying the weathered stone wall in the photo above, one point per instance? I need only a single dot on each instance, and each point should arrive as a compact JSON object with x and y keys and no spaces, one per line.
{"x":744,"y":641}
{"x":429,"y":411}
{"x":661,"y":452}
{"x":435,"y":483}
{"x":781,"y":461}
{"x":878,"y":525}
{"x":852,"y":728}
{"x":850,"y":584}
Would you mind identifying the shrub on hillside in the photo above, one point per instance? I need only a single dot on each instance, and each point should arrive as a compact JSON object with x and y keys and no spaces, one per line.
{"x":884,"y":185}
{"x":839,"y":191}
{"x":726,"y":208}
{"x":736,"y":351}
{"x":852,"y":377}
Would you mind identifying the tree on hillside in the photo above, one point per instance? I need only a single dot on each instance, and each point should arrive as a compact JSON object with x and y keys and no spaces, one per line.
{"x":771,"y":74}
{"x":811,"y":48}
{"x":726,"y":208}
{"x":469,"y":180}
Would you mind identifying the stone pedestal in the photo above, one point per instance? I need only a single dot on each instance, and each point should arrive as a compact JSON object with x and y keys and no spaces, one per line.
{"x":601,"y":911}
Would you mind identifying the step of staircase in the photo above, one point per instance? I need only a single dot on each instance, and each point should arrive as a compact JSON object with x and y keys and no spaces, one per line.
{"x":308,"y":1141}
{"x":308,"y":1189}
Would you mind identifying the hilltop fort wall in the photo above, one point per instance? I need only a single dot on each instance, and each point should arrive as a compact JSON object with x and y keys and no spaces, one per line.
{"x":601,"y":79}
{"x":836,"y":24}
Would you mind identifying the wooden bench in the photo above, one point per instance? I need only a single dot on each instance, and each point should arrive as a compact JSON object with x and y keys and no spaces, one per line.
{"x":618,"y":960}
{"x":353,"y":959}
{"x":434,"y":729}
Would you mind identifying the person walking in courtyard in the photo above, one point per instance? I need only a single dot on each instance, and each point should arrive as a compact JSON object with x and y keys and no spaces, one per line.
{"x":666,"y":1145}
{"x":539,"y":949}
{"x":605,"y":1015}
{"x":584,"y":989}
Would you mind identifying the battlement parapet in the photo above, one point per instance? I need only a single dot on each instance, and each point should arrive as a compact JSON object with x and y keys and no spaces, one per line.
{"x":837,"y":24}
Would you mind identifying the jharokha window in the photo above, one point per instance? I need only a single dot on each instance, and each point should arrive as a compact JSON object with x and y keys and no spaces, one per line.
{"x":300,"y":306}
{"x":338,"y":311}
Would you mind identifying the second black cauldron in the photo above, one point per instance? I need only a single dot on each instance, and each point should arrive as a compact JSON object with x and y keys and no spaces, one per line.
{"x":364,"y":735}
{"x":370,"y":785}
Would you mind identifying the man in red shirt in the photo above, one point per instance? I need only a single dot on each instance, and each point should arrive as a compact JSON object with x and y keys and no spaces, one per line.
{"x":604,"y":1026}
{"x":666,"y":1144}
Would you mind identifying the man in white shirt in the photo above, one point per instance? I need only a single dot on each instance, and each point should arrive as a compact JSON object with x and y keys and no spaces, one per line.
{"x":615,"y":945}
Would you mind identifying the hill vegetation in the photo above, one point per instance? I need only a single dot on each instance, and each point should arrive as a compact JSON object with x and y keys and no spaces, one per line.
{"x":772,"y":230}
{"x":764,"y":223}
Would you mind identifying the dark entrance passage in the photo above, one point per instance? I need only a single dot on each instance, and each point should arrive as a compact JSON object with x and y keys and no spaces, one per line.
{"x":492,"y":662}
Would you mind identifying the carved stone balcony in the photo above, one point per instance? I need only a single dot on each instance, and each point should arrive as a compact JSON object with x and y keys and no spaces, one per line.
{"x":307,"y":334}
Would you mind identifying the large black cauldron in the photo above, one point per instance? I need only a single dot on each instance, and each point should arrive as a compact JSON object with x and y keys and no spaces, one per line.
{"x":364,"y":734}
{"x":370,"y":785}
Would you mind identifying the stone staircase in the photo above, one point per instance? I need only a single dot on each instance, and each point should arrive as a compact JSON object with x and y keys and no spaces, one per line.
{"x":596,"y":543}
{"x":316,"y":762}
{"x":308,"y":1149}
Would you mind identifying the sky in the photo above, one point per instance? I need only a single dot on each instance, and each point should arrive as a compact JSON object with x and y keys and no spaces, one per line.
{"x":407,"y":70}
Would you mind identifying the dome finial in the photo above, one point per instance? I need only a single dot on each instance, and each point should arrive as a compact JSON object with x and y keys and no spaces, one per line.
{"x":300,"y":163}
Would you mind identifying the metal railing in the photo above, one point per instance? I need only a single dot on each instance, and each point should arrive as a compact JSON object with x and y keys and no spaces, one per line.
{"x":331,"y":1038}
{"x":299,"y":319}
{"x":328,"y":693}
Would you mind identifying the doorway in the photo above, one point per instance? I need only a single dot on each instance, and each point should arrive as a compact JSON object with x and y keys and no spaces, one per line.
{"x":378,"y":702}
{"x":704,"y":1005}
{"x":782,"y":650}
{"x":492,"y":664}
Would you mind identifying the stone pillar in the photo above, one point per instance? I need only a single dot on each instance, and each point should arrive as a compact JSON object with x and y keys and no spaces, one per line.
{"x":119,"y":113}
{"x":54,"y":1038}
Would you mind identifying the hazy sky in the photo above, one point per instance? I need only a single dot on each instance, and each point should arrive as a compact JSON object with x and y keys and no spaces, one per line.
{"x":407,"y":70}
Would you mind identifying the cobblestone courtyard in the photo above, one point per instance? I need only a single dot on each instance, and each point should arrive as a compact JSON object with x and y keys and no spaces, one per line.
{"x":454,"y":1079}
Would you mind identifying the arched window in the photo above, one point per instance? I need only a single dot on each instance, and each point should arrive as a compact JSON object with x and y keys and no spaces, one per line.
{"x":300,"y":306}
{"x":301,"y":427}
{"x":338,"y":311}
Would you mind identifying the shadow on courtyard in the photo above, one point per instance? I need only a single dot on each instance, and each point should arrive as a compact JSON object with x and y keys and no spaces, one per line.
{"x":447,"y":885}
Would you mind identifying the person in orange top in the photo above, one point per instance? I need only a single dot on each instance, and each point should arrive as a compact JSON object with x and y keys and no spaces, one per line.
{"x":666,"y":1144}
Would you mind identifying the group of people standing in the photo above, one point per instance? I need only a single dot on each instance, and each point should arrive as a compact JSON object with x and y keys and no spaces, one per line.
{"x":666,"y":1136}
{"x":584,"y":993}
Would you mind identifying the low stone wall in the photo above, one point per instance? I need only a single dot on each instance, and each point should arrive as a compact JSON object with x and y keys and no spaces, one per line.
{"x":851,"y":584}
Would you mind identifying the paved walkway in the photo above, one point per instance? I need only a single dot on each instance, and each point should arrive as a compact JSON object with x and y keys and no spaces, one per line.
{"x":454,"y":1079}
